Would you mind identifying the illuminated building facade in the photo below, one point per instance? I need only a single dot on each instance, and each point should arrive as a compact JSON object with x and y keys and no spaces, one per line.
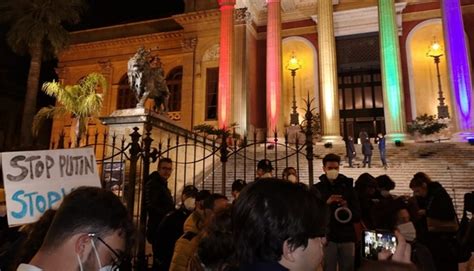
{"x":363,"y":61}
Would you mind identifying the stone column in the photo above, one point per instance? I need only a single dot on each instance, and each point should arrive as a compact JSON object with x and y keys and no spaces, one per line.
{"x":328,"y":73}
{"x":459,"y":68}
{"x":394,"y":104}
{"x":187,"y":114}
{"x":273,"y":64}
{"x":225,"y":62}
{"x":240,"y":72}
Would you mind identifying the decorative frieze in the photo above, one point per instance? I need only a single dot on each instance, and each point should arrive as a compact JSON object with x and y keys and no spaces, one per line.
{"x":189,"y":44}
{"x":242,"y":16}
{"x":212,"y":54}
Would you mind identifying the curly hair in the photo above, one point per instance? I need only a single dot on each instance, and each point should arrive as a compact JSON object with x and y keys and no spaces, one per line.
{"x":270,"y":212}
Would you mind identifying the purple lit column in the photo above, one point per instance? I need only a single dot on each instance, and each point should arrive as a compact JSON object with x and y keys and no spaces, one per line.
{"x":458,"y":63}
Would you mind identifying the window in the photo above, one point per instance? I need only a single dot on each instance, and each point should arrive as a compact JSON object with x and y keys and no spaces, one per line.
{"x":212,"y":82}
{"x":125,"y":96}
{"x":174,"y":80}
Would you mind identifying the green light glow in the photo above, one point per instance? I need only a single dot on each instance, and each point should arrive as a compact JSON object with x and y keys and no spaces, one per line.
{"x":391,"y":71}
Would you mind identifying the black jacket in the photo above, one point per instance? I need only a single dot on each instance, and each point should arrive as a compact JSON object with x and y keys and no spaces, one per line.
{"x":343,"y":186}
{"x":169,"y":230}
{"x":159,"y":202}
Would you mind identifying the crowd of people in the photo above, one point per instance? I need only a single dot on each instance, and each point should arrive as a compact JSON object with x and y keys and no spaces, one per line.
{"x":272,"y":223}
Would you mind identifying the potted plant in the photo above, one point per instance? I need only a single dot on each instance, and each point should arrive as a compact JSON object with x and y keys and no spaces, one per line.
{"x":426,"y":125}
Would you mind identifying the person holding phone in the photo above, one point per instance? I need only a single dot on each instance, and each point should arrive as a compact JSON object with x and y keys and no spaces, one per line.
{"x":338,"y":192}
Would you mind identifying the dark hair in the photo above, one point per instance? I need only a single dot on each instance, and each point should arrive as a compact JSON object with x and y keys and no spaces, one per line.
{"x":268,"y":213}
{"x":216,"y":248}
{"x":385,"y":182}
{"x":164,"y":160}
{"x":89,"y":210}
{"x":265,"y":165}
{"x":209,"y":201}
{"x":203,"y":194}
{"x":238,"y":185}
{"x":190,"y":191}
{"x":387,"y":266}
{"x":331,"y":157}
{"x":419,"y":179}
{"x":286,"y":171}
{"x":364,"y":181}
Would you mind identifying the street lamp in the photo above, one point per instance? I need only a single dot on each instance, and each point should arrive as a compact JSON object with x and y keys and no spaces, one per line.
{"x":293,"y":65}
{"x":436,"y":52}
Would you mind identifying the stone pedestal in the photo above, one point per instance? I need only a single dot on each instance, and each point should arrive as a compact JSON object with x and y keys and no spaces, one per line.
{"x":295,"y":135}
{"x":122,"y":122}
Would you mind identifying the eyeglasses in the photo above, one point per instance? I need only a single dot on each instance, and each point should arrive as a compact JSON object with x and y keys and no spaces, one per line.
{"x":118,"y":260}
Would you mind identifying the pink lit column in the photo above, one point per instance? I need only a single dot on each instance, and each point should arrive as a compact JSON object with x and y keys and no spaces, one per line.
{"x":225,"y":62}
{"x":459,"y":68}
{"x":273,"y":64}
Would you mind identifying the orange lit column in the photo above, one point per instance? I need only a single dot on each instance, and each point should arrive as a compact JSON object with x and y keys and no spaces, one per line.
{"x":328,"y":73}
{"x":273,"y":64}
{"x":225,"y":61}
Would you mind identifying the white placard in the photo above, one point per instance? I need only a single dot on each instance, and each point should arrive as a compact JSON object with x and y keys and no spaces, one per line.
{"x":36,"y":181}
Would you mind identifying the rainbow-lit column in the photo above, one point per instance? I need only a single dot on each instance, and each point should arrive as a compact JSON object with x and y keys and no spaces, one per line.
{"x":273,"y":64}
{"x":394,"y":106}
{"x":459,"y":70}
{"x":328,"y":73}
{"x":225,"y":62}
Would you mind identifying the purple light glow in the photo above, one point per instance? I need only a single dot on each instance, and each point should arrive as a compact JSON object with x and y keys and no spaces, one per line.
{"x":458,"y":62}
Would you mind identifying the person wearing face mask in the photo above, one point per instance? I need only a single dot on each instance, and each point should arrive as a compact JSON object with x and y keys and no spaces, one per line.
{"x":290,"y":174}
{"x":90,"y":231}
{"x":337,"y":191}
{"x":420,"y":254}
{"x":171,"y":228}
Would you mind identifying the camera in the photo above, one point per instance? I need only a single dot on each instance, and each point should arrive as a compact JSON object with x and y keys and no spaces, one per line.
{"x":374,"y":241}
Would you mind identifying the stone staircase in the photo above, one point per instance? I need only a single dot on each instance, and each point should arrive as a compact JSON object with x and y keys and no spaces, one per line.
{"x":451,"y":164}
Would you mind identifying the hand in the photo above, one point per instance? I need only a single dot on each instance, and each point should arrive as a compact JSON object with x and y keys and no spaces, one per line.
{"x":334,"y":199}
{"x":422,"y":212}
{"x":402,"y":252}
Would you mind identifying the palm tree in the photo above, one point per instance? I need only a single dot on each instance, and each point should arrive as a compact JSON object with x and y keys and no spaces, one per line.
{"x":36,"y":29}
{"x":80,"y":101}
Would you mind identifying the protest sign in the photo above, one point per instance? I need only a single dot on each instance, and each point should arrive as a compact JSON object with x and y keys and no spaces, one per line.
{"x":36,"y":181}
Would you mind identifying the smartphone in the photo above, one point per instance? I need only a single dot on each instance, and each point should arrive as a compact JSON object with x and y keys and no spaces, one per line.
{"x":374,"y":241}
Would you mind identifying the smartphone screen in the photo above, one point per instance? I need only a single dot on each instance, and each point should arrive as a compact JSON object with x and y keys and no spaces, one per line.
{"x":375,"y":241}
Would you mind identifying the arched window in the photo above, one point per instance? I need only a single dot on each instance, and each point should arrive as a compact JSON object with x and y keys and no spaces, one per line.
{"x":125,"y":96}
{"x":174,"y":80}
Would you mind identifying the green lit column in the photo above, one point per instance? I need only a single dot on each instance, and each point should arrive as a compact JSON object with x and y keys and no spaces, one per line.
{"x":394,"y":105}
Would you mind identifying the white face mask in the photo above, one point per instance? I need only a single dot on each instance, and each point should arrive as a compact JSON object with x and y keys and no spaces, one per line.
{"x":292,"y":178}
{"x":189,"y":204}
{"x":106,"y":268}
{"x":332,"y":174}
{"x":407,"y":230}
{"x":385,"y":193}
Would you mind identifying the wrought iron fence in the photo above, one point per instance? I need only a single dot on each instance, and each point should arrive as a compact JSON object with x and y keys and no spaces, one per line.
{"x":208,"y":162}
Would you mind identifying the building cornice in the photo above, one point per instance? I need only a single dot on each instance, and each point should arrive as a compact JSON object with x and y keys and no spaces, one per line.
{"x":193,"y":18}
{"x":361,"y":20}
{"x":119,"y":43}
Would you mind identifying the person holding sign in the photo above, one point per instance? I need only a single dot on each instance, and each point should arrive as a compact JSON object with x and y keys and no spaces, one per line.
{"x":91,"y":231}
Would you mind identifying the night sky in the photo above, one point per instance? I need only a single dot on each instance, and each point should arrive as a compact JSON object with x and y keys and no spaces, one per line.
{"x":99,"y":13}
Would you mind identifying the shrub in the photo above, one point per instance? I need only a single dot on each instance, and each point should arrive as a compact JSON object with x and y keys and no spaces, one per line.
{"x":426,"y":125}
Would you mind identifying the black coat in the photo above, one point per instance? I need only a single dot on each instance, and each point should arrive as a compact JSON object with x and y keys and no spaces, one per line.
{"x":169,"y":230}
{"x":343,"y":185}
{"x":350,"y":148}
{"x":158,"y":201}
